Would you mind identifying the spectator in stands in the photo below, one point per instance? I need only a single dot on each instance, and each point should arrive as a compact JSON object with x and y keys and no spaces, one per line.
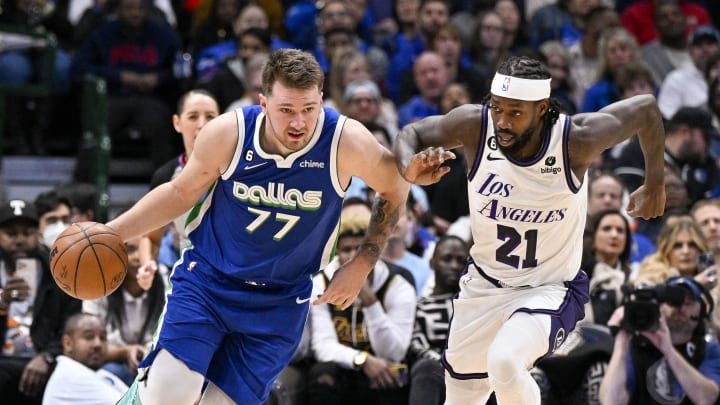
{"x":397,"y":250}
{"x":432,"y":322}
{"x":706,"y":214}
{"x":637,"y":18}
{"x":78,"y":378}
{"x":130,"y":316}
{"x":455,"y":94}
{"x":432,"y":15}
{"x":673,"y":362}
{"x":584,"y":54}
{"x":363,"y":102}
{"x":609,"y":266}
{"x":232,"y":78}
{"x":617,"y":48}
{"x":487,"y":48}
{"x":83,"y":197}
{"x":687,"y":86}
{"x":218,"y":27}
{"x":679,"y":245}
{"x":515,"y":36}
{"x":670,"y":50}
{"x":687,"y":142}
{"x":431,"y":77}
{"x":253,"y":70}
{"x":135,"y":56}
{"x":359,"y":350}
{"x":557,"y":59}
{"x":31,"y":319}
{"x":562,"y":21}
{"x":54,"y":213}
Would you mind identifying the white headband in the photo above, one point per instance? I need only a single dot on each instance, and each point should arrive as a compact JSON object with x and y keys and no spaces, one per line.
{"x":520,"y":89}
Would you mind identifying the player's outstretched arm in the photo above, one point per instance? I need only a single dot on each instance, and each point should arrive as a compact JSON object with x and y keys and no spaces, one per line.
{"x":359,"y":154}
{"x":421,"y":147}
{"x":592,"y":133}
{"x":214,"y":148}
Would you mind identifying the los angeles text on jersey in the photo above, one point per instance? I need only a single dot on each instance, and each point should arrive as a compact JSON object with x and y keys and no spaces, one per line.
{"x":494,"y":186}
{"x":275,"y":195}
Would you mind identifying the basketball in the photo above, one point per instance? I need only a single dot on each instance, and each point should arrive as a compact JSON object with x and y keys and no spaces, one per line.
{"x":88,"y":260}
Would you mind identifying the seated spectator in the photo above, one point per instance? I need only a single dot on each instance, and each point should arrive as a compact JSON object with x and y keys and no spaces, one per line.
{"x":673,"y":361}
{"x":557,"y":58}
{"x":432,"y":323}
{"x":360,"y":349}
{"x":397,"y":251}
{"x":83,"y":197}
{"x":670,"y":50}
{"x":31,"y":319}
{"x":130,"y":316}
{"x":637,"y":18}
{"x":78,"y":378}
{"x":678,"y":248}
{"x":53,"y":216}
{"x":617,"y":48}
{"x":687,"y":85}
{"x":253,"y":76}
{"x":608,"y":268}
{"x":232,"y":77}
{"x":135,"y":56}
{"x":431,"y":77}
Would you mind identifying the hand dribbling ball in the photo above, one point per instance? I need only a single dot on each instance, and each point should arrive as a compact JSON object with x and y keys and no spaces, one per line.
{"x":88,"y":260}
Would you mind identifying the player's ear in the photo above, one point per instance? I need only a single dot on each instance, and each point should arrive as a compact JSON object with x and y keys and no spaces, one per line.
{"x":263,"y":102}
{"x":543,"y":106}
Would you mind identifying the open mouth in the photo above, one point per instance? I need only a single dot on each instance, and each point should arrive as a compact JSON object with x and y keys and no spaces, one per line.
{"x":505,"y":139}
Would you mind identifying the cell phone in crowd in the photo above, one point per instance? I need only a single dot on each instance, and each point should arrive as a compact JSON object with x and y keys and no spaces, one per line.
{"x":400,"y":370}
{"x":705,"y":260}
{"x":28,"y":269}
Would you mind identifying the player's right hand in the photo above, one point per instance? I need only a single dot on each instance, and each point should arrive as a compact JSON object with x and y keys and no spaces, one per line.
{"x":425,"y":167}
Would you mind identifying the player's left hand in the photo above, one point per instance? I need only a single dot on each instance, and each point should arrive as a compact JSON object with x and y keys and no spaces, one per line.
{"x":344,"y":286}
{"x":647,"y":202}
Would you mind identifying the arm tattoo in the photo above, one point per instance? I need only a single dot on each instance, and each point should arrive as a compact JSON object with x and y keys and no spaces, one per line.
{"x":382,"y":221}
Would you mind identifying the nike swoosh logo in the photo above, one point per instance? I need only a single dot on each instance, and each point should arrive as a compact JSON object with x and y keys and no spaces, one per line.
{"x":254,"y":166}
{"x":299,"y":300}
{"x":491,"y":157}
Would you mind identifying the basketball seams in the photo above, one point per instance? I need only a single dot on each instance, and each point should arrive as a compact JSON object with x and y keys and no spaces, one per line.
{"x":109,"y":258}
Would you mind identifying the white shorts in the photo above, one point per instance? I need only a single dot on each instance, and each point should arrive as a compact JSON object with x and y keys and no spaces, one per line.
{"x":481,"y":308}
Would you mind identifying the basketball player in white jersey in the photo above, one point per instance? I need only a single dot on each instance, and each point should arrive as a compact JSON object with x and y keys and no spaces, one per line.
{"x":523,"y":290}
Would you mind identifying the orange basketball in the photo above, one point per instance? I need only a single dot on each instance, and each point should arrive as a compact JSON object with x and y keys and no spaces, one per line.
{"x":88,"y":260}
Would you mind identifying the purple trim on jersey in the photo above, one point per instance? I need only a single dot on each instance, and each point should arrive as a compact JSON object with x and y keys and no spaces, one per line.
{"x":493,"y":281}
{"x":564,"y":319}
{"x":566,"y":158}
{"x":541,"y":153}
{"x":481,"y":145}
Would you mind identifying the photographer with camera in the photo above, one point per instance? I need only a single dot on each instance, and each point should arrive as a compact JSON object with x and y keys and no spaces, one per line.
{"x":660,"y":355}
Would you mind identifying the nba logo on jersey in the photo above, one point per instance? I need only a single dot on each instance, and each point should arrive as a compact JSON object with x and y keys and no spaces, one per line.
{"x":506,"y":84}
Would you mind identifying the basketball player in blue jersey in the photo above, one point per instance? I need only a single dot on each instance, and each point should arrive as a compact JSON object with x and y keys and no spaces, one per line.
{"x":270,"y":180}
{"x":523,"y":290}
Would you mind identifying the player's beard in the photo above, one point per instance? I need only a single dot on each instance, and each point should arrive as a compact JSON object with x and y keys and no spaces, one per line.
{"x":520,"y":141}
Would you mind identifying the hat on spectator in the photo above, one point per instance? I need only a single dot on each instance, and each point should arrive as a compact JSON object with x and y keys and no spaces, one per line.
{"x":361,"y":85}
{"x":14,"y":210}
{"x":696,"y":290}
{"x":704,"y":32}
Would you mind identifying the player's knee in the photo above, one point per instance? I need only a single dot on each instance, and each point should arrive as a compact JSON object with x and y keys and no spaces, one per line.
{"x":170,"y":381}
{"x":503,"y":366}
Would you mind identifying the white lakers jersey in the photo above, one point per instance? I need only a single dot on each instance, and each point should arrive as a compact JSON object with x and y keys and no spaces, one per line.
{"x":527,"y":217}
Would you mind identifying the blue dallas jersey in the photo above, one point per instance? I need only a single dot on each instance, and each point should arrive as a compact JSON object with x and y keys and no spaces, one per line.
{"x":270,"y":219}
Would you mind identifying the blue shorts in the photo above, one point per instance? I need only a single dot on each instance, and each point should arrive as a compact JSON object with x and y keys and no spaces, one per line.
{"x":237,"y":334}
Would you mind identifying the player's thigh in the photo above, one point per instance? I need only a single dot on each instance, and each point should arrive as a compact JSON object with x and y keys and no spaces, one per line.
{"x":246,"y":364}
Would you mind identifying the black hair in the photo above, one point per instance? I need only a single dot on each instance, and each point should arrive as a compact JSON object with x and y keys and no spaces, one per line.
{"x":263,"y":34}
{"x":156,"y":301}
{"x":48,"y":201}
{"x":71,"y":324}
{"x":625,"y":254}
{"x":526,"y":68}
{"x":83,"y":196}
{"x":181,"y":101}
